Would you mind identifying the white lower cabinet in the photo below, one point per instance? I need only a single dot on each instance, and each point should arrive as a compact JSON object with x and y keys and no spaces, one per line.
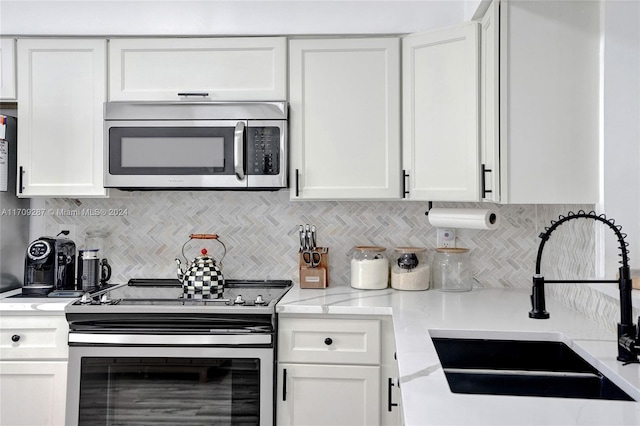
{"x":336,"y":370}
{"x":32,"y":392}
{"x":33,"y":369}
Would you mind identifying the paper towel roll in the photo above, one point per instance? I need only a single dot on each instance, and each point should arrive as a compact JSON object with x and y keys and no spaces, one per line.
{"x":463,"y":218}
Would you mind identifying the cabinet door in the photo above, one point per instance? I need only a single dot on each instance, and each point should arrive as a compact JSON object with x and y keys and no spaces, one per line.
{"x":345,"y":118}
{"x":61,"y":92}
{"x":250,"y":68}
{"x":489,"y":103}
{"x":7,"y":69}
{"x":440,"y":114}
{"x":32,"y":393}
{"x":337,"y":395}
{"x":549,"y":101}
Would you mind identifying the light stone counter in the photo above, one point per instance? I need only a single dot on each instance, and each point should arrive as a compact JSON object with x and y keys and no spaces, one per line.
{"x":491,"y":313}
{"x":31,"y":305}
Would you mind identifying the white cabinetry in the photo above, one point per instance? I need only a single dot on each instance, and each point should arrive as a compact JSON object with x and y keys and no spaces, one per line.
{"x":33,"y":369}
{"x":7,"y":69}
{"x":548,"y":108}
{"x":249,"y":68}
{"x":489,"y":101}
{"x":345,"y":118}
{"x":440,"y":114}
{"x":336,"y":370}
{"x":61,"y":91}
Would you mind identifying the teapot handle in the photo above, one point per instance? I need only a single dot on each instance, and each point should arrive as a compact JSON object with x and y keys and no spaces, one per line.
{"x":203,"y":236}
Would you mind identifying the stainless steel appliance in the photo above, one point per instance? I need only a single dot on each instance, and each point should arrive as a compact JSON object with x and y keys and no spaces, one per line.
{"x":49,"y":264}
{"x":14,"y":221}
{"x":93,"y":272}
{"x":143,"y":351}
{"x":200,"y":145}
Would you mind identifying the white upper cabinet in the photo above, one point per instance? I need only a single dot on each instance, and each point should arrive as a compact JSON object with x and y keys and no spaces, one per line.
{"x":489,"y":104}
{"x":223,"y":69}
{"x":440,"y":114}
{"x":548,"y":109}
{"x":62,"y":87}
{"x":345,"y":118}
{"x":7,"y":69}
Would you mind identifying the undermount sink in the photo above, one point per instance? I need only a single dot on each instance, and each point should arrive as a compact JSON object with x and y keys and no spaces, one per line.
{"x":521,"y":368}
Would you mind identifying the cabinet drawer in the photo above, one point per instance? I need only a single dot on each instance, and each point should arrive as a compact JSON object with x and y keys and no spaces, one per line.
{"x":37,"y":337}
{"x":332,"y":341}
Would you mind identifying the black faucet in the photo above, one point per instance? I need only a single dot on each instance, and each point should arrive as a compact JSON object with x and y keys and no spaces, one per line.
{"x":628,"y":342}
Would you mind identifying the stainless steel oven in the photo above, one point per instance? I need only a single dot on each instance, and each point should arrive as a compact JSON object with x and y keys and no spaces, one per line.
{"x":199,"y":145}
{"x":143,"y":355}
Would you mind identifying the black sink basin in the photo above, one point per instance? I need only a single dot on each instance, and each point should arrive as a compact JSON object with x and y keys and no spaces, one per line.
{"x":522,"y":368}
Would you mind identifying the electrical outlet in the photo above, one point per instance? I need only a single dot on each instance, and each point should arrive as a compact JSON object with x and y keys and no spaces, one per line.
{"x":446,"y":237}
{"x":66,"y":227}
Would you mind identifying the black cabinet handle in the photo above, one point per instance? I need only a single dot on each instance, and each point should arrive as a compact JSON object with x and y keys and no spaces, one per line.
{"x":20,"y":187}
{"x":297,"y":182}
{"x":390,"y":403}
{"x":203,"y":94}
{"x":284,"y":384}
{"x":405,"y":175}
{"x":485,"y":191}
{"x":15,"y":338}
{"x":328,"y":341}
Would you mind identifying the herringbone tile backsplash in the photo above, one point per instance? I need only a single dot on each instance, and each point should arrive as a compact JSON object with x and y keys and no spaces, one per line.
{"x":260,"y":232}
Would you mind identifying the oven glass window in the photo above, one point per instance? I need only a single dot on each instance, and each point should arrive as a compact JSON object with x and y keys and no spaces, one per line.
{"x":172,"y":152}
{"x":177,"y":391}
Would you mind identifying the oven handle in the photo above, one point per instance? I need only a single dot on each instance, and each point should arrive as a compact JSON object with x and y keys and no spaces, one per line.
{"x":238,"y":150}
{"x":169,"y":339}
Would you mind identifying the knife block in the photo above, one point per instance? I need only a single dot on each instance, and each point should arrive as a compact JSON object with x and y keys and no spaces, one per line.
{"x":317,"y":277}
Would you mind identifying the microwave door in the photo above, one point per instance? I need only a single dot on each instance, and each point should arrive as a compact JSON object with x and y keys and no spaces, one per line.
{"x":175,"y":154}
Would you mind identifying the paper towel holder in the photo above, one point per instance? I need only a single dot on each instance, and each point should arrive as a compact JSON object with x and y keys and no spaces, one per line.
{"x":429,"y":208}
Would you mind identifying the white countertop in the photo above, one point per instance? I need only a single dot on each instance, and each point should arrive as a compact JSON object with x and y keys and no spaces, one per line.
{"x":490,"y":313}
{"x":31,"y":305}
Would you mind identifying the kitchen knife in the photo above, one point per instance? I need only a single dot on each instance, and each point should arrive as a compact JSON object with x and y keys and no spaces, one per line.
{"x":301,"y":235}
{"x":307,"y":236}
{"x":313,"y":237}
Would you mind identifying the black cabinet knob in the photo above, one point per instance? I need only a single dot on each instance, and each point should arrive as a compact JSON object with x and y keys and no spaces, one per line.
{"x":15,"y":338}
{"x":328,"y":341}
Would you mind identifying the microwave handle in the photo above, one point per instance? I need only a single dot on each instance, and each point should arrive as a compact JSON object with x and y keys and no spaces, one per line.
{"x":238,"y":150}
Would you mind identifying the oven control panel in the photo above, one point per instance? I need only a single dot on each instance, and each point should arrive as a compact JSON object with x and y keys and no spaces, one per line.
{"x":263,"y":151}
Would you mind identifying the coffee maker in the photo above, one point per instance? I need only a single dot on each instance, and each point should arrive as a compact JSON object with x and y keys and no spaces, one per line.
{"x":49,"y":265}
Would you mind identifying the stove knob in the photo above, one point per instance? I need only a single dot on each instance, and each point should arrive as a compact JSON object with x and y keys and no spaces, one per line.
{"x":104,"y":299}
{"x":85,"y":299}
{"x":259,"y":301}
{"x":239,"y":300}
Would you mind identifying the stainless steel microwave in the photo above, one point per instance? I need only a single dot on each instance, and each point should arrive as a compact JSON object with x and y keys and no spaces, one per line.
{"x":195,"y":145}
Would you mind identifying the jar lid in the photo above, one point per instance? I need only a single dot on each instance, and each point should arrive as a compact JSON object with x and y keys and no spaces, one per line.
{"x":369,"y":248}
{"x":452,"y":250}
{"x":410,"y":249}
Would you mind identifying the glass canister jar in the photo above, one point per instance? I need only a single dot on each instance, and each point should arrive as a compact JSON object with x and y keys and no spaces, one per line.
{"x":369,"y":268}
{"x":451,"y":269}
{"x":410,"y":268}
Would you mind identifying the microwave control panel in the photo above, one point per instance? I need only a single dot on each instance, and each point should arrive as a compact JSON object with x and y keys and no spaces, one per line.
{"x":263,"y":151}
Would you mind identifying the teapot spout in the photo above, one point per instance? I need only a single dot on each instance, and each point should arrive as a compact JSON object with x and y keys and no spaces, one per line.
{"x":179,"y":272}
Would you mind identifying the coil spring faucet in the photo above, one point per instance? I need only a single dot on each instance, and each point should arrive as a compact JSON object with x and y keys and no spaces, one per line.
{"x":628,"y":342}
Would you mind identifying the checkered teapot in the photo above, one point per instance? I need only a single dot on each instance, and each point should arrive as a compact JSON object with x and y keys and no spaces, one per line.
{"x":203,"y":278}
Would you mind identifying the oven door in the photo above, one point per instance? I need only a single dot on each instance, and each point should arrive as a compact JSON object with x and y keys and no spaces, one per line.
{"x":169,"y":384}
{"x":172,"y":154}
